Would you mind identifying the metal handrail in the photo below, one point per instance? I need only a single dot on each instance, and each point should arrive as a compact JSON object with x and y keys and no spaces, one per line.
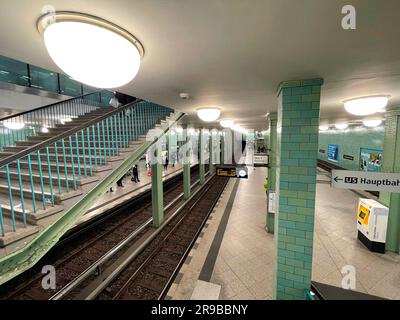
{"x":26,"y":257}
{"x":65,"y":134}
{"x":49,"y":105}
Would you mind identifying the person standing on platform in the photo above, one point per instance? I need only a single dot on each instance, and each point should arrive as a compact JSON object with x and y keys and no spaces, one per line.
{"x":135,"y":174}
{"x":165,"y":161}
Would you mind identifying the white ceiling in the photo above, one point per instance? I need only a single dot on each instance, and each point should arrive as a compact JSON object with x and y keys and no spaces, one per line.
{"x":234,"y":53}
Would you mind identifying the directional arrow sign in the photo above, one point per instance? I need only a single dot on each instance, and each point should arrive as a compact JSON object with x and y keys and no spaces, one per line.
{"x":371,"y":181}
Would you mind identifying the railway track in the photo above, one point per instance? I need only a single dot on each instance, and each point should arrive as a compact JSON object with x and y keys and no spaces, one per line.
{"x":147,"y":271}
{"x":81,"y":250}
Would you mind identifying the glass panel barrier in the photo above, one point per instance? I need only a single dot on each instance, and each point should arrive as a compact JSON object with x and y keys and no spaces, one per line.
{"x":43,"y":79}
{"x":13,"y":71}
{"x":69,"y":86}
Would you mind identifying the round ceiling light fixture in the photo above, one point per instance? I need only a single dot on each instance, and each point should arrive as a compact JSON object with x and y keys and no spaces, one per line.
{"x":239,"y":129}
{"x":372,"y":123}
{"x":209,"y":114}
{"x":323,"y":128}
{"x":366,"y":106}
{"x":226,"y":123}
{"x":341,"y":126}
{"x":14,"y":125}
{"x":90,"y":49}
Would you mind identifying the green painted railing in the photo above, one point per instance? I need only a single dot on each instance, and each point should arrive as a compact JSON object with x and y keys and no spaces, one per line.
{"x":125,"y":124}
{"x":37,"y":176}
{"x":29,"y":123}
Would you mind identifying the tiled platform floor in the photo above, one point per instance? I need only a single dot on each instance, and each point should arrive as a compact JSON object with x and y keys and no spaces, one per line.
{"x":244,"y":268}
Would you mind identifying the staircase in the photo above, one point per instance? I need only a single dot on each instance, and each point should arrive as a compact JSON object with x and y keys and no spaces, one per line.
{"x":43,"y":192}
{"x":50,"y":178}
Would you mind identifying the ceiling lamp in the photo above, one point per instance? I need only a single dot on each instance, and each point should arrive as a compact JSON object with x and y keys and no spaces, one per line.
{"x":209,"y":114}
{"x":341,"y":126}
{"x":372,"y":123}
{"x":14,"y":125}
{"x":90,"y":49}
{"x":238,"y":128}
{"x":323,"y":128}
{"x":366,"y":106}
{"x":226,"y":123}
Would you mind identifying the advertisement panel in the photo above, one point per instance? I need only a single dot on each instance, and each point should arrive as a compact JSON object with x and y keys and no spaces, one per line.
{"x":333,"y":152}
{"x":370,"y":160}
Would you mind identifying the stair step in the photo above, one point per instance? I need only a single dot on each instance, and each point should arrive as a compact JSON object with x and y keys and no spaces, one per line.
{"x":38,"y":194}
{"x":26,"y":177}
{"x":53,"y":157}
{"x":53,"y":167}
{"x":31,"y":216}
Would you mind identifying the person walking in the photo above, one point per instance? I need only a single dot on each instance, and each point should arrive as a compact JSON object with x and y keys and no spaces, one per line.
{"x":119,"y":182}
{"x":135,"y":174}
{"x":166,"y":161}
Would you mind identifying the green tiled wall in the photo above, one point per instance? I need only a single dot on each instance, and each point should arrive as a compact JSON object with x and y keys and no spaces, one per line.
{"x":350,"y":142}
{"x":298,"y":125}
{"x":391,"y":163}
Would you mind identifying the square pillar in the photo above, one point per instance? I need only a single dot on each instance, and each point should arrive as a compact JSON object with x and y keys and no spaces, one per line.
{"x":296,"y":173}
{"x":202,"y":157}
{"x":273,"y":120}
{"x":222,"y":148}
{"x":391,"y":163}
{"x":157,"y":191}
{"x":186,"y":165}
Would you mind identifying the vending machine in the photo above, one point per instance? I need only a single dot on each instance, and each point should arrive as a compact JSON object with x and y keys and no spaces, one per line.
{"x":372,"y":219}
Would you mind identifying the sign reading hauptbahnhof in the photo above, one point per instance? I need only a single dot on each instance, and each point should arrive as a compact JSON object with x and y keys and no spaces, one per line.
{"x":232,"y":172}
{"x":370,"y":181}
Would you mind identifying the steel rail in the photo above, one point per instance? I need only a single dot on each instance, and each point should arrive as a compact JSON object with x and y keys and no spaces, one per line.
{"x":111,"y":253}
{"x":141,"y":247}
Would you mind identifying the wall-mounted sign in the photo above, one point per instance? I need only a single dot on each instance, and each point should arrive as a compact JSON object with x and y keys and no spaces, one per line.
{"x":370,"y":181}
{"x":232,"y":172}
{"x":333,"y":152}
{"x":272,"y":202}
{"x":347,"y":157}
{"x":370,"y":160}
{"x":260,"y":160}
{"x":322,"y":150}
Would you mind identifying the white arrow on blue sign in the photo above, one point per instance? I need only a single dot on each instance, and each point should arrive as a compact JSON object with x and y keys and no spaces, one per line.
{"x":371,"y":181}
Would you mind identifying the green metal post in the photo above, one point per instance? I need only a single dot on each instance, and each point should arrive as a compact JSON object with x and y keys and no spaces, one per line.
{"x":157,"y":191}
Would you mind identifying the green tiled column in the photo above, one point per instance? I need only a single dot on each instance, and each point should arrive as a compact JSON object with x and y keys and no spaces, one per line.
{"x":391,"y":163}
{"x":157,"y":192}
{"x":297,"y":148}
{"x":273,"y":119}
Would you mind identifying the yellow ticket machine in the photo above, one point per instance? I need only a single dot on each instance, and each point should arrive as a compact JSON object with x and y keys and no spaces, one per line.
{"x":372,"y":218}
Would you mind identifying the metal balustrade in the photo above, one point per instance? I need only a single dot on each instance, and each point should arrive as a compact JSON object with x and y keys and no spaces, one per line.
{"x":34,"y":177}
{"x":25,"y":124}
